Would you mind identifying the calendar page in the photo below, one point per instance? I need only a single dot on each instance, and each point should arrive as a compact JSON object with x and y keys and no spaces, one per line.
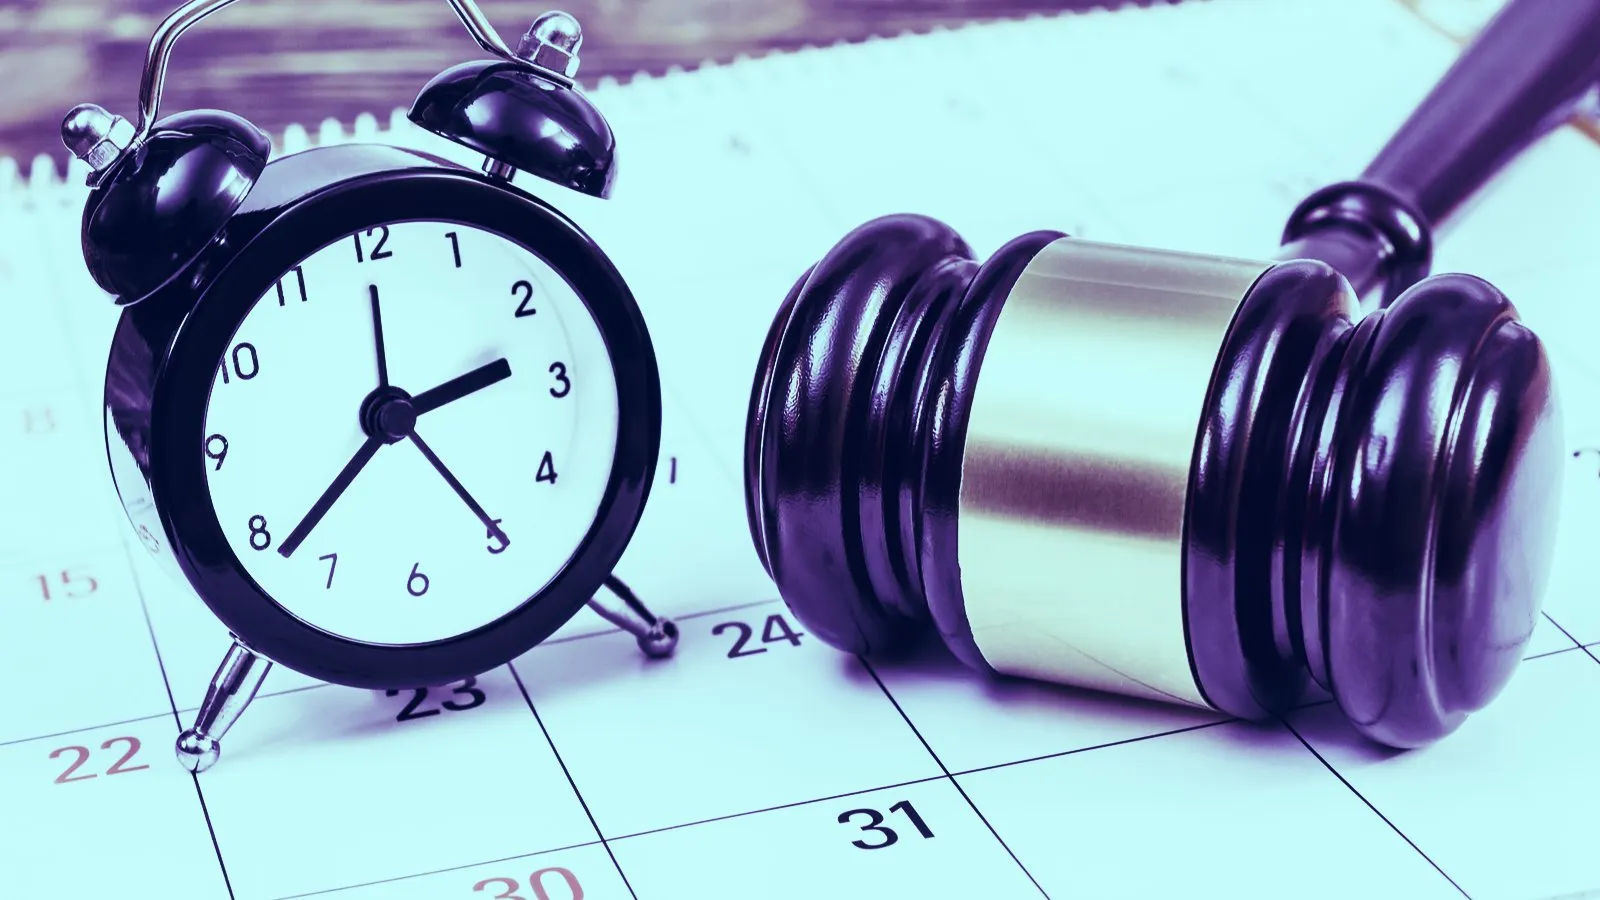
{"x":758,"y":762}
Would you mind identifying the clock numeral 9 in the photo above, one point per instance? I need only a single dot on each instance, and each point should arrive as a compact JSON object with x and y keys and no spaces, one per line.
{"x":411,"y":582}
{"x":244,"y":357}
{"x":875,"y":823}
{"x":258,"y":532}
{"x":535,"y":884}
{"x":382,"y":231}
{"x":216,"y":447}
{"x":559,"y":370}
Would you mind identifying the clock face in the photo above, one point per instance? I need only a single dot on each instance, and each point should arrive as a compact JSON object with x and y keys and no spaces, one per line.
{"x":411,"y":433}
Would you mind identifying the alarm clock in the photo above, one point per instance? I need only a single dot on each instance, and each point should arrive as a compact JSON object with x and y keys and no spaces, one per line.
{"x":1228,"y":484}
{"x":393,"y":419}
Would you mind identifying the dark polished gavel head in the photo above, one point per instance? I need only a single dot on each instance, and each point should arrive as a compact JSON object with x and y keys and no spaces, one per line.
{"x":1201,"y":480}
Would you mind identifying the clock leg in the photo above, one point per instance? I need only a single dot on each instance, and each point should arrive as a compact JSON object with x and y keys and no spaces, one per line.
{"x":231,"y":690}
{"x":657,"y":637}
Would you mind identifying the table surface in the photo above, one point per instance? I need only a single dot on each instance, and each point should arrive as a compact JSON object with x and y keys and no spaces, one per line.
{"x":306,"y":60}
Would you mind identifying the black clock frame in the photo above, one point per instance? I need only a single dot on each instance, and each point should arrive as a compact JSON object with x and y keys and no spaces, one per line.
{"x":167,"y":348}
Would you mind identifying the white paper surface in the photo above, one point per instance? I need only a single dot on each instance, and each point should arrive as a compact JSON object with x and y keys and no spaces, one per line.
{"x":1195,"y":127}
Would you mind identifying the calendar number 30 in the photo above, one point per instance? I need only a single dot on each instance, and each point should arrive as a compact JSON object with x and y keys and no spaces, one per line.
{"x":535,"y":884}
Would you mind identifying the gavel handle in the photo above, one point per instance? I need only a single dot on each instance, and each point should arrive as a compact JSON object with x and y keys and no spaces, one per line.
{"x":1521,"y":76}
{"x":1518,"y":79}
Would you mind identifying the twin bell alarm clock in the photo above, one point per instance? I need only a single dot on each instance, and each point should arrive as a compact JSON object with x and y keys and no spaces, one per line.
{"x":395,"y":420}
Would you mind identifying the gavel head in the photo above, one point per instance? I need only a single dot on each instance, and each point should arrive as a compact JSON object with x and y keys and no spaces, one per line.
{"x":1200,"y":480}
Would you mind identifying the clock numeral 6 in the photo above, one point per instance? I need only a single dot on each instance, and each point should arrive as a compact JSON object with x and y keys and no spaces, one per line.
{"x":536,"y":884}
{"x":246,"y":365}
{"x":412,"y":587}
{"x":412,"y":710}
{"x":378,"y":252}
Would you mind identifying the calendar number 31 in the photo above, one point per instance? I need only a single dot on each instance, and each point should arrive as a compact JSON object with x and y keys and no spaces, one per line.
{"x":875,"y":825}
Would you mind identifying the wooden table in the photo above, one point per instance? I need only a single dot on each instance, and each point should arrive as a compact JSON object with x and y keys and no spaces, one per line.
{"x":282,"y":61}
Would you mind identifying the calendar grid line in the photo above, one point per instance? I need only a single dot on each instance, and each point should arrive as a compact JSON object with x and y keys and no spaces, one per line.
{"x":45,"y":737}
{"x":946,"y":770}
{"x":776,"y":808}
{"x":472,"y":865}
{"x":1576,"y":644}
{"x":1121,"y":743}
{"x":517,"y":677}
{"x":83,"y":384}
{"x":1370,"y":805}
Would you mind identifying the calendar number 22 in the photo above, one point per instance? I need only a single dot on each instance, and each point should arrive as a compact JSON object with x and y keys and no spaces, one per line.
{"x":875,"y":825}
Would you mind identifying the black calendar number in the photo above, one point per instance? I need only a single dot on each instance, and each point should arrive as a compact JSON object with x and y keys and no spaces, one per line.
{"x":886,"y":836}
{"x":776,"y":629}
{"x":82,"y":754}
{"x":537,"y":885}
{"x":66,"y":584}
{"x":464,"y":696}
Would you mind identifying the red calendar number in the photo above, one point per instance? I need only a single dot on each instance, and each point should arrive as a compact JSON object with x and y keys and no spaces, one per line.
{"x":66,"y":583}
{"x":120,"y":767}
{"x":535,"y":884}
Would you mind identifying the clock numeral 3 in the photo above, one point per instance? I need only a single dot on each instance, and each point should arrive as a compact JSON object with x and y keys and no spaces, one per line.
{"x":412,"y":582}
{"x":216,"y":448}
{"x":300,"y":282}
{"x":246,"y":365}
{"x":559,"y":370}
{"x":378,"y":252}
{"x":412,"y":710}
{"x":260,"y":538}
{"x":547,"y":469}
{"x":526,"y":289}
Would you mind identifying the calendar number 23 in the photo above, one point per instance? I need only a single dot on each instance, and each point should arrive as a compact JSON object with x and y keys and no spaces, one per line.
{"x":875,"y":820}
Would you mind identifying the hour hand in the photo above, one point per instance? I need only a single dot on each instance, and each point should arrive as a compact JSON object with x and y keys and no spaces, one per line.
{"x":461,"y":386}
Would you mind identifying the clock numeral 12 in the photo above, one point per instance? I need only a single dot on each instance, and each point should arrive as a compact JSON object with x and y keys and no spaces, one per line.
{"x":382,"y":231}
{"x":875,"y":823}
{"x":535,"y":884}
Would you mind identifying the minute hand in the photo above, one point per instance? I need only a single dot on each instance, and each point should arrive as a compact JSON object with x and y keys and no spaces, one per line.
{"x":461,"y":386}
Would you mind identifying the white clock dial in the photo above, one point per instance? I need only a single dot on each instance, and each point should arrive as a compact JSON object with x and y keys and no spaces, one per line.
{"x":402,"y":556}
